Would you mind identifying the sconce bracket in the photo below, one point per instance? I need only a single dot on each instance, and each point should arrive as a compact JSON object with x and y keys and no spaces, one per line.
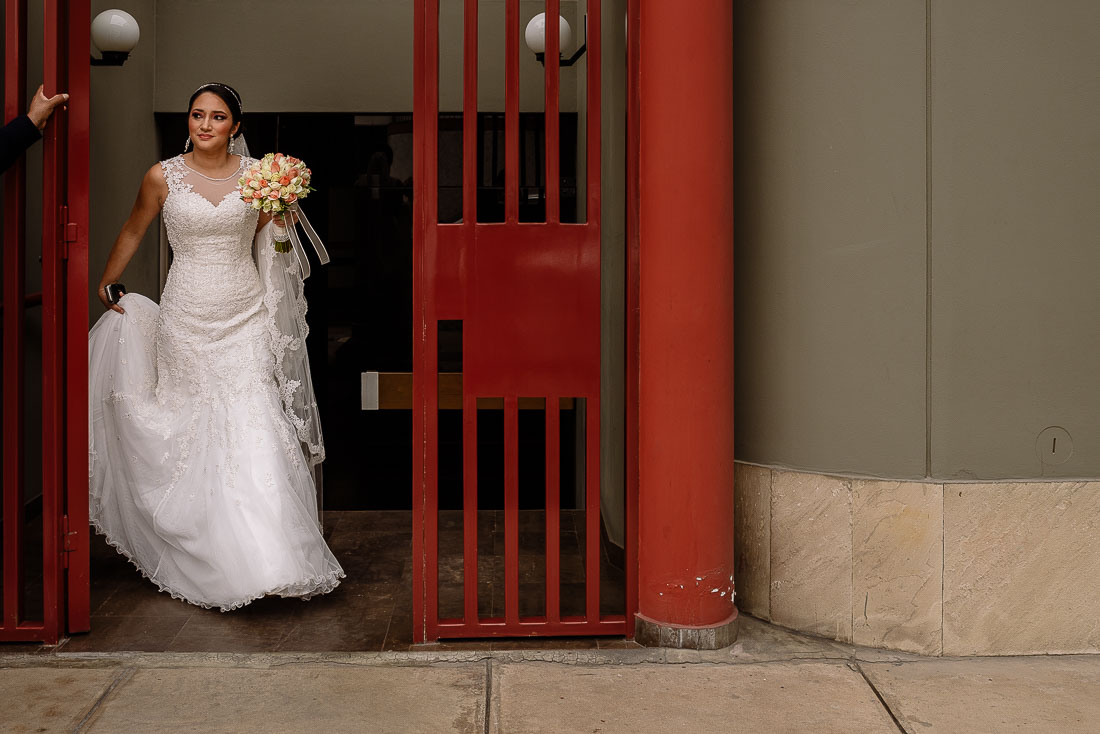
{"x":111,"y":58}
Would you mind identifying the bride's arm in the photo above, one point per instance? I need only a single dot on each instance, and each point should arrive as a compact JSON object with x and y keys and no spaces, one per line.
{"x":150,"y":198}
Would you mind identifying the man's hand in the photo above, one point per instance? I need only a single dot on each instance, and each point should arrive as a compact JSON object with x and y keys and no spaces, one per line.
{"x":42,"y":107}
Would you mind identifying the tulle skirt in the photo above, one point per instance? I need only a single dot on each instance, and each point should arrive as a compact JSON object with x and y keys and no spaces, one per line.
{"x":205,"y":491}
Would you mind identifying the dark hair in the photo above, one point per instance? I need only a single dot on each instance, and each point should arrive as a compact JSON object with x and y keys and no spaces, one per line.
{"x":224,"y":92}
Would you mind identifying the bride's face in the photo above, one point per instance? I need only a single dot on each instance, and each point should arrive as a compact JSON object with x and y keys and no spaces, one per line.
{"x":210,"y":124}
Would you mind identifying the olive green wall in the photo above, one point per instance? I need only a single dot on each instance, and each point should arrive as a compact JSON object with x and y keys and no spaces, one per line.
{"x":353,"y":55}
{"x":124,"y":145}
{"x":916,"y":221}
{"x":1015,"y":151}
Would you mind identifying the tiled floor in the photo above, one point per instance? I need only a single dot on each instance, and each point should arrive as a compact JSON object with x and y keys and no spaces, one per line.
{"x":370,"y":610}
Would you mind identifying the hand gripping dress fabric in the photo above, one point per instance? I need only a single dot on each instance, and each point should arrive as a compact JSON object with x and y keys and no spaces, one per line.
{"x":200,"y":469}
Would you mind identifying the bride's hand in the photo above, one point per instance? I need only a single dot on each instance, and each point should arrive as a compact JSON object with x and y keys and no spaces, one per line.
{"x":291,"y":217}
{"x":103,"y":299}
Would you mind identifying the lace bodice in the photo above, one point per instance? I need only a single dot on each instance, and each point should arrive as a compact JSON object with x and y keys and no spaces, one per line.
{"x":212,"y":334}
{"x":206,"y":220}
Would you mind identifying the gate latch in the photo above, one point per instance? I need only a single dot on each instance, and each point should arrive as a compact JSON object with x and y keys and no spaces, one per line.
{"x":368,"y":390}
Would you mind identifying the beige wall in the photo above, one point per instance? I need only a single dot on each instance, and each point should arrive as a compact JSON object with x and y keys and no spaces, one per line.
{"x":916,"y":225}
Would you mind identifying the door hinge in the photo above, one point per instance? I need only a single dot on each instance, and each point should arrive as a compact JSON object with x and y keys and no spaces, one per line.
{"x":69,"y":232}
{"x":66,"y":541}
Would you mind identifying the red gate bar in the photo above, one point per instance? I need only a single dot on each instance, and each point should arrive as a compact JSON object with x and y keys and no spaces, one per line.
{"x":469,"y":113}
{"x":511,"y":510}
{"x":76,"y":546}
{"x":15,"y":94}
{"x":469,"y":221}
{"x":553,"y":512}
{"x":469,"y":508}
{"x":53,"y":322}
{"x":425,"y":360}
{"x":632,"y":310}
{"x":553,"y":159}
{"x":511,"y":111}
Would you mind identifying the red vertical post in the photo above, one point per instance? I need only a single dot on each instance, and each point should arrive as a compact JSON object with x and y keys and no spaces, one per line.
{"x":685,"y":525}
{"x":76,"y":317}
{"x":15,"y":200}
{"x":469,"y":402}
{"x":53,"y":319}
{"x":632,"y":47}
{"x":425,"y":358}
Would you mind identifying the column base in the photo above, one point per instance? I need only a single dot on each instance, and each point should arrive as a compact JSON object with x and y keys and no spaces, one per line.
{"x":649,"y":633}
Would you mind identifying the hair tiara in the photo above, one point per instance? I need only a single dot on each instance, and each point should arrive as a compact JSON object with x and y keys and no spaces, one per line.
{"x":226,"y":87}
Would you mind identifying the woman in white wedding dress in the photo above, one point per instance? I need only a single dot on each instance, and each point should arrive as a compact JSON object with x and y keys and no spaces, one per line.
{"x":201,"y":449}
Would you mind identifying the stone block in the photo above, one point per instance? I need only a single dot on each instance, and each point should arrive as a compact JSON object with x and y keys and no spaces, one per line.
{"x":897,"y":565}
{"x":811,"y":554}
{"x":1021,"y":563}
{"x":49,"y":699}
{"x":993,"y":695}
{"x":640,"y":699}
{"x":752,"y":538}
{"x":313,"y":698}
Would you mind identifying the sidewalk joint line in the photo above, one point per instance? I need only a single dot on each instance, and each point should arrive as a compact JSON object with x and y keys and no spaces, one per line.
{"x":859,"y":669}
{"x":488,"y":690}
{"x":123,"y":676}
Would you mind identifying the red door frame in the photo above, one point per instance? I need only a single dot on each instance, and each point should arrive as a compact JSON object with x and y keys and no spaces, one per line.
{"x":529,"y":297}
{"x":64,"y":300}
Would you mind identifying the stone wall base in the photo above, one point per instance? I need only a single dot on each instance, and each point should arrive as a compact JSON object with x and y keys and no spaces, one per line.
{"x":995,"y":568}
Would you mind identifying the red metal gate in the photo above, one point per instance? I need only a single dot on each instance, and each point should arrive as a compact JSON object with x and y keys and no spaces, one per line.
{"x":63,"y":583}
{"x":528,"y":297}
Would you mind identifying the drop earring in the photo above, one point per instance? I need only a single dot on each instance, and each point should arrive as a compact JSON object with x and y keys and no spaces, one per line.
{"x":232,"y":146}
{"x":187,"y":145}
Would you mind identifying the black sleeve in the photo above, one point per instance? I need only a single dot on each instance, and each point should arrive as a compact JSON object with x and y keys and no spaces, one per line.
{"x":16,"y":137}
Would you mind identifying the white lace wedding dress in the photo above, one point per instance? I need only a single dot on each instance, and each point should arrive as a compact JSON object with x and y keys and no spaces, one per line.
{"x":200,"y":465}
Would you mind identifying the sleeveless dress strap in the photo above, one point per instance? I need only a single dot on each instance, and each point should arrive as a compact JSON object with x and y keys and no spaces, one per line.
{"x":173,"y":175}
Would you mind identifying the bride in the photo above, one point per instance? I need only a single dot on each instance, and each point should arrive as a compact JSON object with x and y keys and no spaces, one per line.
{"x":203,"y":427}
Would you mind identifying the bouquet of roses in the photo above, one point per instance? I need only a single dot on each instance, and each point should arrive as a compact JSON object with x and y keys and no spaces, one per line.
{"x":274,"y":184}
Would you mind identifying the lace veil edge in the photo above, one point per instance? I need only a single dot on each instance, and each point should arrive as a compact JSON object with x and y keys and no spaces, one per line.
{"x":285,"y":304}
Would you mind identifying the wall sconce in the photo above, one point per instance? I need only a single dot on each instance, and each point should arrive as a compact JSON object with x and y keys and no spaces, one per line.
{"x":535,"y":36}
{"x":114,"y":33}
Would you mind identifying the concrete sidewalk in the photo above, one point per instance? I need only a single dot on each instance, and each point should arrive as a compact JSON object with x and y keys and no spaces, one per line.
{"x":770,"y":681}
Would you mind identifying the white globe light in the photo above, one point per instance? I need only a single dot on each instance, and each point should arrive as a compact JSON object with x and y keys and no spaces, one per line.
{"x":115,"y":31}
{"x":535,"y":35}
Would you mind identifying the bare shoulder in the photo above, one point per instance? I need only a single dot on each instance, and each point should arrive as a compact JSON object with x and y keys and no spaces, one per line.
{"x":154,"y":187}
{"x":155,"y":176}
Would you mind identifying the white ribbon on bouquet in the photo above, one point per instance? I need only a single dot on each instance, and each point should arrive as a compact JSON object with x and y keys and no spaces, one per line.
{"x":296,"y":241}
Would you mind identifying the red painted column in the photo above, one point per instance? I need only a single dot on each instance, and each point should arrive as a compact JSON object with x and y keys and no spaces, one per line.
{"x":685,"y":411}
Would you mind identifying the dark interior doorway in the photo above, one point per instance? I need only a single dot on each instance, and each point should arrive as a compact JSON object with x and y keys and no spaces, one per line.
{"x":360,"y":304}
